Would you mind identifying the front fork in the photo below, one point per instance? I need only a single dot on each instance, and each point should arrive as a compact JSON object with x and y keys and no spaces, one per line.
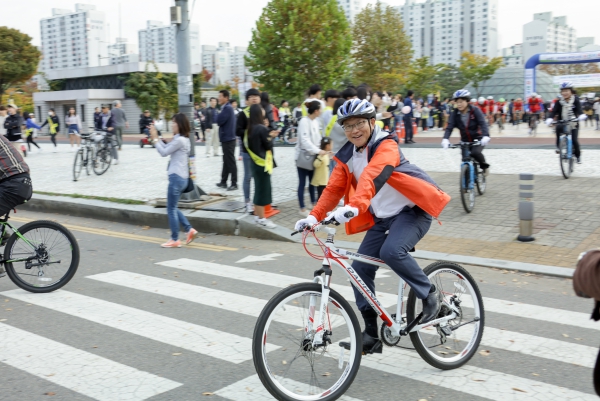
{"x":317,"y":326}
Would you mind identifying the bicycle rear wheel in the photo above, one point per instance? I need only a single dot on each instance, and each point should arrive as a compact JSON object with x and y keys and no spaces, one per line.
{"x":449,"y":351}
{"x":78,"y":164}
{"x":467,"y":196}
{"x":102,"y":161}
{"x":286,"y":361}
{"x":565,"y":161}
{"x":44,"y":258}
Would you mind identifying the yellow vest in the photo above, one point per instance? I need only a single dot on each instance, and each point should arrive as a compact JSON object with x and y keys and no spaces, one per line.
{"x":52,"y":125}
{"x":267,"y":162}
{"x":330,"y":125}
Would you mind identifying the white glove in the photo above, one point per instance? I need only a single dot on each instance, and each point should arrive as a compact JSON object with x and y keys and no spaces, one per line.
{"x":445,"y":143}
{"x":485,"y":140}
{"x":339,"y":214}
{"x":582,"y":117}
{"x":549,"y":121}
{"x":309,"y":221}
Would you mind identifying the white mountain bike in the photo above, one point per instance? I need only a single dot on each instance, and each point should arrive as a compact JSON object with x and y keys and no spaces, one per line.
{"x":308,"y":321}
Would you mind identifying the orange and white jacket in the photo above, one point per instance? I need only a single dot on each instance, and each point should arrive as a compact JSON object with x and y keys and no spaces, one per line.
{"x":386,"y":164}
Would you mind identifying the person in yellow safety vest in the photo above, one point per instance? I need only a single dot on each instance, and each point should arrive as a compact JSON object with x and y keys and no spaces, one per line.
{"x":285,"y":116}
{"x":314,"y":93}
{"x":330,"y":97}
{"x":252,"y":97}
{"x":53,"y":126}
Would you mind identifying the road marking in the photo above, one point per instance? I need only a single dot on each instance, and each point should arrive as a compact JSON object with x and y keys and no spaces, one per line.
{"x":189,"y":336}
{"x":265,"y":278}
{"x":263,"y":258}
{"x":252,"y":389}
{"x":133,"y":237}
{"x":205,"y":296}
{"x":80,"y":371}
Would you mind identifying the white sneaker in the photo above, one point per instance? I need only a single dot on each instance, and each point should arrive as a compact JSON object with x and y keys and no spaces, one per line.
{"x":249,"y":208}
{"x":55,"y":150}
{"x":208,"y":155}
{"x":265,"y":223}
{"x":116,"y":161}
{"x":304,"y":213}
{"x":39,"y":150}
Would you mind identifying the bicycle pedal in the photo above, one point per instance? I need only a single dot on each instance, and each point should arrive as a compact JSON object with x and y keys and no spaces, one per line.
{"x":377,"y":348}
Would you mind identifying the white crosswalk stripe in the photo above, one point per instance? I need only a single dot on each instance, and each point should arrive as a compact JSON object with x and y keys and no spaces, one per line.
{"x":80,"y":371}
{"x":203,"y":340}
{"x":252,"y":389}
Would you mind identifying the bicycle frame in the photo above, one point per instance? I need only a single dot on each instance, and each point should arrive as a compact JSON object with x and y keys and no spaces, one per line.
{"x":4,"y":224}
{"x":336,"y":256}
{"x":567,"y":133}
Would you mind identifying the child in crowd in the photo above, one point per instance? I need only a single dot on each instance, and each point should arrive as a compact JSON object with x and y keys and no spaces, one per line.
{"x":321,"y":163}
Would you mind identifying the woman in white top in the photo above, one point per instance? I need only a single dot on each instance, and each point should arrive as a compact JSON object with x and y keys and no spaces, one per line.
{"x":73,"y":122}
{"x":309,"y":139}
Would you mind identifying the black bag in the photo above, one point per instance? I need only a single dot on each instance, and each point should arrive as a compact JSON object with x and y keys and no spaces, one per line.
{"x":190,"y":184}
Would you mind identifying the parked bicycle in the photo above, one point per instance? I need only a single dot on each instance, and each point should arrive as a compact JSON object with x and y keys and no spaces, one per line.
{"x":565,"y":147}
{"x":84,"y":156}
{"x":104,"y":151}
{"x":318,"y":337}
{"x":40,"y":256}
{"x":471,"y":176}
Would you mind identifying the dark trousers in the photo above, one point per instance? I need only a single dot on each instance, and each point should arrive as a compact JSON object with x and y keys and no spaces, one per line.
{"x":408,"y":127}
{"x":303,"y":176}
{"x":440,"y":120}
{"x":30,"y":141}
{"x":406,"y":229}
{"x":477,"y":154}
{"x":574,"y":137}
{"x":320,"y":190}
{"x":229,"y":165}
{"x":14,"y":192}
{"x":53,"y":138}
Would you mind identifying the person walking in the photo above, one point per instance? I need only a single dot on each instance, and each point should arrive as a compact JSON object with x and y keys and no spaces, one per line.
{"x":212,"y":129}
{"x":179,"y":173}
{"x":3,"y":115}
{"x":252,"y":98}
{"x":13,"y":124}
{"x":120,"y":121}
{"x":30,"y":126}
{"x":54,"y":126}
{"x":321,"y":164}
{"x":425,"y":110}
{"x":309,"y":140}
{"x":226,"y":123}
{"x":97,"y":114}
{"x":259,"y":144}
{"x":408,"y":127}
{"x":73,"y":121}
{"x":106,"y":123}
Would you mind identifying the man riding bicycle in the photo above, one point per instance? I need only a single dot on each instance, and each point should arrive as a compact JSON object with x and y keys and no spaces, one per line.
{"x":15,"y":182}
{"x":535,"y":106}
{"x":385,"y":193}
{"x":472,"y":125}
{"x":568,"y":108}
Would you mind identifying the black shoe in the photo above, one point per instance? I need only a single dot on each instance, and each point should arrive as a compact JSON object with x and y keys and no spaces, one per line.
{"x":431,"y":306}
{"x":221,"y":185}
{"x":233,"y":188}
{"x":579,"y":160}
{"x":371,"y":345}
{"x":411,"y":141}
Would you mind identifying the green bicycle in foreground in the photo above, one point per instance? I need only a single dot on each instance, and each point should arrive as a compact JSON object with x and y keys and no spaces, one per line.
{"x":40,"y":256}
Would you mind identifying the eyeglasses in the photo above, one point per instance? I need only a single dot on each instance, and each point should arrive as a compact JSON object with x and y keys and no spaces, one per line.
{"x":350,"y":128}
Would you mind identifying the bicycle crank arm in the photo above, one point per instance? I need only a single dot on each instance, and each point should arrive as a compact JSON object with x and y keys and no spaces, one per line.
{"x":462,"y":324}
{"x":43,"y":264}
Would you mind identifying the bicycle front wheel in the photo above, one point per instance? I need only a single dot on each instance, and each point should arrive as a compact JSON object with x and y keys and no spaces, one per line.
{"x":78,"y":164}
{"x":102,"y":161}
{"x":289,"y":364}
{"x":437,"y":347}
{"x":43,"y":258}
{"x":481,"y":182}
{"x":467,"y":195}
{"x":565,"y":160}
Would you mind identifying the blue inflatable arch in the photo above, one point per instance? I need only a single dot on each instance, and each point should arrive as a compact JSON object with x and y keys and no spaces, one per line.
{"x":554,"y":58}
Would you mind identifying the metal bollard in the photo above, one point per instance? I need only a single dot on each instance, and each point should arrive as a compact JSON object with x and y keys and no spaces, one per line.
{"x":525,"y":207}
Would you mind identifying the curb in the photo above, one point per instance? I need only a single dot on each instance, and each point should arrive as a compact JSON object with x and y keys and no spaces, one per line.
{"x":226,"y":223}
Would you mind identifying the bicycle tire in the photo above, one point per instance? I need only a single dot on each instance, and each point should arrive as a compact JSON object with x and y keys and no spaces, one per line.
{"x":563,"y":158}
{"x":259,"y":340}
{"x":23,"y":230}
{"x":415,"y":338}
{"x":102,"y":161}
{"x":78,"y":164}
{"x":467,"y":196}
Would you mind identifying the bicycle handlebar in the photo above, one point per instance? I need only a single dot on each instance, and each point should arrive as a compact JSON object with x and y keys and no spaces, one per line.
{"x":461,"y":143}
{"x":332,"y":220}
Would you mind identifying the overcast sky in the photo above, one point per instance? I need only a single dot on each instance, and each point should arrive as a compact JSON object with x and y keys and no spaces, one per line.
{"x":232,"y":20}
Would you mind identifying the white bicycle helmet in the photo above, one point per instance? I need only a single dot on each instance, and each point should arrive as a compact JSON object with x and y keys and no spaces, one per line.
{"x":490,"y":97}
{"x":356,"y":108}
{"x":534,"y":95}
{"x":481,"y":100}
{"x":462,"y":94}
{"x":473,"y":101}
{"x":566,"y":85}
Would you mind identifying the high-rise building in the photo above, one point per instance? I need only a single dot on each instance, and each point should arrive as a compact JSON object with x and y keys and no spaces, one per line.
{"x":73,"y":39}
{"x":513,"y":56}
{"x":548,"y":35}
{"x":443,"y":29}
{"x":225,"y":63}
{"x":587,"y":44}
{"x":157,"y":43}
{"x":351,"y":8}
{"x":122,"y":52}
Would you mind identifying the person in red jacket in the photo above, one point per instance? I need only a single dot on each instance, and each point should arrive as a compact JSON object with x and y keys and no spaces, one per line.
{"x":534,"y":102}
{"x":491,"y":112}
{"x":383,"y":192}
{"x":483,"y":105}
{"x":517,"y":111}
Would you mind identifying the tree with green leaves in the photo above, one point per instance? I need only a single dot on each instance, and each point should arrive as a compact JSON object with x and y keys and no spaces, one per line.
{"x":297,"y":43}
{"x":477,"y":68}
{"x":421,"y":77}
{"x":450,"y":79}
{"x":148,"y":89}
{"x":381,"y":49}
{"x":19,"y":59}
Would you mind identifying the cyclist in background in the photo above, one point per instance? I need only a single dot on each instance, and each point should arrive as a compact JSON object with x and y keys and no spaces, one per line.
{"x":472,"y":125}
{"x":482,"y":104}
{"x":491,"y":111}
{"x":517,"y":111}
{"x":389,"y":194}
{"x":534,"y":103}
{"x":568,"y":108}
{"x":500,"y":113}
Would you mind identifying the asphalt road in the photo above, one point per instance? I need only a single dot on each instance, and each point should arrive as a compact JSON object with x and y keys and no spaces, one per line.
{"x":116,"y":333}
